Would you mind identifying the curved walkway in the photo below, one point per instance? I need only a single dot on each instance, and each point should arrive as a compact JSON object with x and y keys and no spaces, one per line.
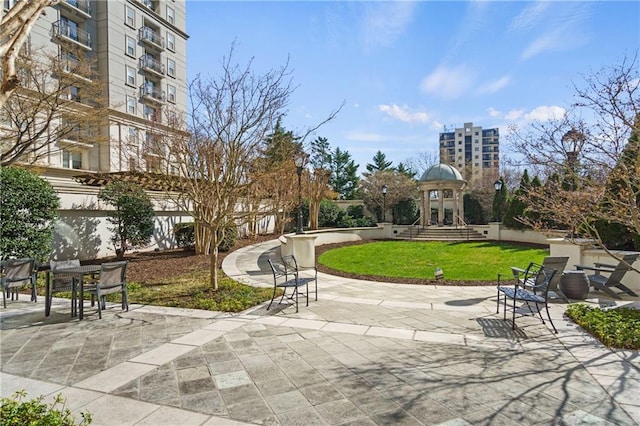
{"x":364,"y":353}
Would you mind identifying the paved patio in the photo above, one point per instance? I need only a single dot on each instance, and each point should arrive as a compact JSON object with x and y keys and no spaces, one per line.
{"x":364,"y":353}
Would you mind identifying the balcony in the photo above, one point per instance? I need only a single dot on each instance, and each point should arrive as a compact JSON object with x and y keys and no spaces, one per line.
{"x":149,"y":4}
{"x":71,"y":65}
{"x":70,"y":33}
{"x":150,"y":64}
{"x":78,"y":8}
{"x":152,"y":93}
{"x":151,"y":38}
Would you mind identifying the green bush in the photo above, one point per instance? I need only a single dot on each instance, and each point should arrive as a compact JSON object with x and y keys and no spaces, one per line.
{"x":616,"y":328}
{"x":28,"y":209}
{"x":185,"y":235}
{"x":329,"y":214}
{"x":356,"y":211}
{"x":14,"y":411}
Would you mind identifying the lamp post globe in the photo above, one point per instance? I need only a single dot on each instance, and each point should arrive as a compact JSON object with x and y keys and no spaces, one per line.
{"x":498,"y":187}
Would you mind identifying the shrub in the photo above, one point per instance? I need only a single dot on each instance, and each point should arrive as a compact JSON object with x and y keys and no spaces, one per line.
{"x":185,"y":236}
{"x":329,"y":214}
{"x":616,"y":328}
{"x":15,"y":411}
{"x":356,"y":211}
{"x":132,"y":219}
{"x":28,"y":209}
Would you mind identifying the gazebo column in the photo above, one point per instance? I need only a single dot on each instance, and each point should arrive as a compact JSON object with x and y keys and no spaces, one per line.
{"x":456,"y":210}
{"x":440,"y":206}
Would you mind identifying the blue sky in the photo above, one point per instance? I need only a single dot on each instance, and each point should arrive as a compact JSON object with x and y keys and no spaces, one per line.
{"x":405,"y":70}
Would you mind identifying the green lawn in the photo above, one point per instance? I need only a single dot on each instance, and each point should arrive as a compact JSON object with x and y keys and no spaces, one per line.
{"x":466,"y":261}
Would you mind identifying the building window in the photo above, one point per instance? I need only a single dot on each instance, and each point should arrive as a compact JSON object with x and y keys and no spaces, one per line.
{"x":171,"y":15}
{"x":171,"y":42}
{"x":171,"y":67}
{"x":131,"y":105}
{"x":150,"y":113}
{"x":131,"y":76}
{"x":171,"y":93}
{"x":73,"y":94}
{"x":129,"y":16}
{"x":131,"y":46}
{"x":133,"y":136}
{"x":71,"y":159}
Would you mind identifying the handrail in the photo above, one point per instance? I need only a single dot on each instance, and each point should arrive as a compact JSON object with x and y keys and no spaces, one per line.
{"x":460,"y":220}
{"x":411,"y":227}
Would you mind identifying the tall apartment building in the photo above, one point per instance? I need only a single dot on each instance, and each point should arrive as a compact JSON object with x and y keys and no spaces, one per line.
{"x":474,"y":151}
{"x":139,"y":49}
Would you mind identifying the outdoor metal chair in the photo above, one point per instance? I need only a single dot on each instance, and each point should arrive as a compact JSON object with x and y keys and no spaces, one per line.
{"x":559,"y":263}
{"x":285,"y":277}
{"x":112,"y":279}
{"x":532,"y":289}
{"x":17,"y":273}
{"x":614,"y":278}
{"x":291,"y":264}
{"x":59,"y":282}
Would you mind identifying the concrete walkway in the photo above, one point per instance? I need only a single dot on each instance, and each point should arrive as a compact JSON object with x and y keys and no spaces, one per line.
{"x":365,"y":353}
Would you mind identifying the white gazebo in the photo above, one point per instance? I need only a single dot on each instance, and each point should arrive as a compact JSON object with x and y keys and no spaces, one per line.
{"x":442,"y":184}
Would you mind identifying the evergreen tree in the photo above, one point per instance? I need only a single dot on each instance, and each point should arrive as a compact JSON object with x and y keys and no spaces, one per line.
{"x":344,"y":179}
{"x":280,"y":146}
{"x":133,"y":217}
{"x":517,"y":206}
{"x":28,"y":208}
{"x":380,"y":163}
{"x":320,"y":153}
{"x":407,"y":171}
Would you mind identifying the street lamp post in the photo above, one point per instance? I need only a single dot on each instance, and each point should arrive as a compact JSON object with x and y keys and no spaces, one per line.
{"x":385,"y":188}
{"x":300,"y":160}
{"x":498,"y":186}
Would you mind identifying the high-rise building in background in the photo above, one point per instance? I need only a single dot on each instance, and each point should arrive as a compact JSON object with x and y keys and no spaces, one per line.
{"x":138,"y":48}
{"x":474,"y":151}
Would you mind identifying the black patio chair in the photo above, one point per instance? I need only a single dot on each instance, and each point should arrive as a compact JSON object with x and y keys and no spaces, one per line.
{"x":606,"y":283}
{"x":285,"y":276}
{"x":15,"y":274}
{"x":112,"y":279}
{"x":59,"y":282}
{"x":532,"y":289}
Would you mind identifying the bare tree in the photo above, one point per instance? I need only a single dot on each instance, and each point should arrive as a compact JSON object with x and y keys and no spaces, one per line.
{"x":15,"y":26}
{"x":399,"y":188}
{"x":422,"y":162}
{"x":59,"y":98}
{"x":230,"y":115}
{"x":592,"y":165}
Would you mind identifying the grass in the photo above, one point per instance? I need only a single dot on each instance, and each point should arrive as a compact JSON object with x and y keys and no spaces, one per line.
{"x":194,"y":291}
{"x":466,"y":261}
{"x":616,"y":328}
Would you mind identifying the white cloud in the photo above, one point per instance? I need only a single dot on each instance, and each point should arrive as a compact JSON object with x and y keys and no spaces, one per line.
{"x":436,"y":125}
{"x":385,"y":22}
{"x":494,"y":86}
{"x":448,"y":82}
{"x":404,"y":113}
{"x":549,"y":41}
{"x":544,"y":112}
{"x":529,"y":17}
{"x":513,"y":115}
{"x":494,"y":113}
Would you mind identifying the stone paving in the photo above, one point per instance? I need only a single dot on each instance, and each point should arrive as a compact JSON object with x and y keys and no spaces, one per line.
{"x":364,"y":353}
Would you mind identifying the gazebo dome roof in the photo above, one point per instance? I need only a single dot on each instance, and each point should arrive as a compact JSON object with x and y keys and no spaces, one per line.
{"x":441,"y":172}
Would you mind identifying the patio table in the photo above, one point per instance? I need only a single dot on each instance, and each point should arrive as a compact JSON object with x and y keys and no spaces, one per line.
{"x":78,"y":273}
